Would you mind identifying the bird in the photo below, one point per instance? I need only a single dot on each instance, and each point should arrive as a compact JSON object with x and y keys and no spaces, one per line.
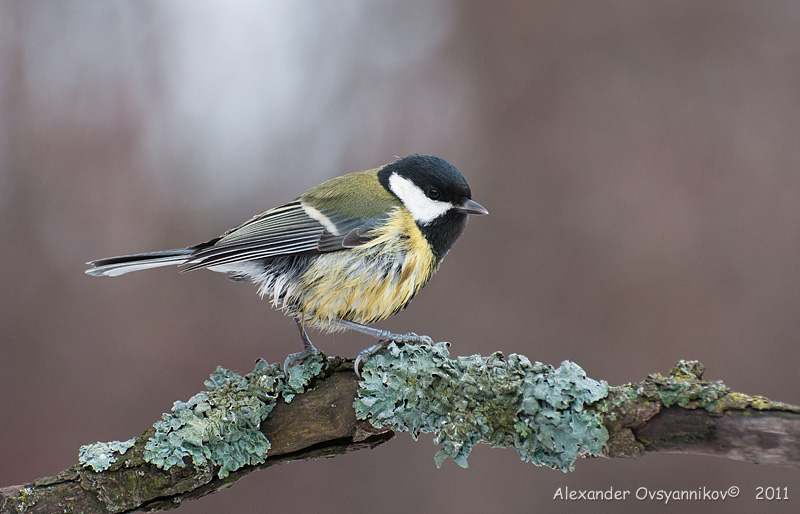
{"x":347,"y":253}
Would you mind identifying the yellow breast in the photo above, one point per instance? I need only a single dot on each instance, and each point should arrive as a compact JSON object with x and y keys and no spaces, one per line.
{"x":368,"y":283}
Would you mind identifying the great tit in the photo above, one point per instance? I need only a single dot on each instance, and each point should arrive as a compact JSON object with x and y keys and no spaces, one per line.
{"x":350,"y":251}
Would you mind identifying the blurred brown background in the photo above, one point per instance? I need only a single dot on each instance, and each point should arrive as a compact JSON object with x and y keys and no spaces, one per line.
{"x":640,"y":161}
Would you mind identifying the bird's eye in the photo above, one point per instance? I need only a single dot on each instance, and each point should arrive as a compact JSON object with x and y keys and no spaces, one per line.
{"x":434,"y":194}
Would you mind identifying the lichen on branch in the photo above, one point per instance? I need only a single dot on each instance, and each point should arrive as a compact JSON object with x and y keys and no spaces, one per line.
{"x":550,"y":415}
{"x":220,"y":426}
{"x":533,"y":407}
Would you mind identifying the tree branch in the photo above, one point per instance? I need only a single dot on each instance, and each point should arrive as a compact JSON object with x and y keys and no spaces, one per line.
{"x":679,"y":412}
{"x":682,"y":413}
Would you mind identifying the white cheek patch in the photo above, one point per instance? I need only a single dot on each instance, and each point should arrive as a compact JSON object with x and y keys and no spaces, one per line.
{"x":423,"y":209}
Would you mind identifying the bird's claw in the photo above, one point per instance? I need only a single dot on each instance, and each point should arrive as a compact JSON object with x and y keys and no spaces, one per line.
{"x":293,"y":359}
{"x":366,"y":353}
{"x":384,"y":341}
{"x":409,"y":338}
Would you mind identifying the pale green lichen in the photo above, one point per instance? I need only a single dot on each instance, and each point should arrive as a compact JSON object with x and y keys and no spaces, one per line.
{"x":300,"y":376}
{"x":684,"y":387}
{"x":221,"y":426}
{"x":533,"y":407}
{"x":100,"y":456}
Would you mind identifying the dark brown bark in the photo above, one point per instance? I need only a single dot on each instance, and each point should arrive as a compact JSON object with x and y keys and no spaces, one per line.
{"x":761,"y":437}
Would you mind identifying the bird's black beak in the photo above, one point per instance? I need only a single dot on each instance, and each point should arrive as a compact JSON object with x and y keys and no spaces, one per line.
{"x":472,"y":207}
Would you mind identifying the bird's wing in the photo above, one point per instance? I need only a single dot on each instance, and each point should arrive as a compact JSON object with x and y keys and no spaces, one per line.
{"x":286,"y":230}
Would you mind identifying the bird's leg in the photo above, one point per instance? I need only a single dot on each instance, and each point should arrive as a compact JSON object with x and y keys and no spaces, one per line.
{"x":308,"y":349}
{"x":384,"y":338}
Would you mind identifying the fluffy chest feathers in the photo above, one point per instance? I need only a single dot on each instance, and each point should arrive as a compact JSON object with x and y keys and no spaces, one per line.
{"x":363,"y":284}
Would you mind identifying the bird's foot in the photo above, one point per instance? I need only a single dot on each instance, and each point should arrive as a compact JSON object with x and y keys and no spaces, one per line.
{"x":293,"y":359}
{"x":385,"y":338}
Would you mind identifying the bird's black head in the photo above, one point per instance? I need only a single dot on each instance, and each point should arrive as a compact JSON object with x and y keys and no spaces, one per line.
{"x":436,"y":194}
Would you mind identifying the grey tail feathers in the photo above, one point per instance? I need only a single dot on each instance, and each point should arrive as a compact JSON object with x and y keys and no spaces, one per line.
{"x":114,"y":266}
